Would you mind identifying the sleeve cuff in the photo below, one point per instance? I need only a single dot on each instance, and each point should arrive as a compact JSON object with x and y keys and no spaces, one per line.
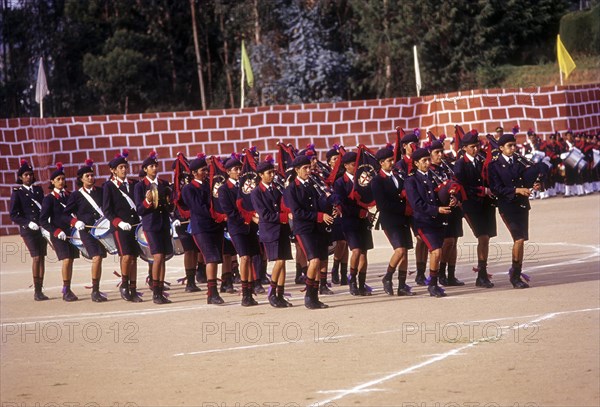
{"x":362,"y":213}
{"x":57,"y":232}
{"x":283,"y":217}
{"x":73,"y":221}
{"x":320,"y":217}
{"x":146,"y":204}
{"x":116,"y":222}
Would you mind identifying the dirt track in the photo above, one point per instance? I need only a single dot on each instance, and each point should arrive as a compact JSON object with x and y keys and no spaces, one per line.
{"x":474,"y":348}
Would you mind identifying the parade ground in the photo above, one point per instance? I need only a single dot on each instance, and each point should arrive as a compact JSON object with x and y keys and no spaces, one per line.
{"x":476,"y":347}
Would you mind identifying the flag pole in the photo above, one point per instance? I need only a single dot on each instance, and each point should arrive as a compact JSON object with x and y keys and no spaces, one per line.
{"x":242,"y":85}
{"x":561,"y":76}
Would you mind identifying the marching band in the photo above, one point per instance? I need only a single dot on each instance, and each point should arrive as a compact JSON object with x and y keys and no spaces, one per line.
{"x":216,"y":211}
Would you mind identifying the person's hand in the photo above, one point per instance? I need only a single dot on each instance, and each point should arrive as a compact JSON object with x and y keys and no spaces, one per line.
{"x":62,"y":235}
{"x":46,"y":234}
{"x":124,"y":226}
{"x":79,"y":225}
{"x":444,"y":210}
{"x":33,"y":226}
{"x":149,"y":196}
{"x":255,"y":219}
{"x":327,"y":218}
{"x":522,"y":191}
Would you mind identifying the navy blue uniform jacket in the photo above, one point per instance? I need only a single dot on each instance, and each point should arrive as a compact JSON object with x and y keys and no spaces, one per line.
{"x":153,"y":219}
{"x":82,"y":209}
{"x":22,"y":208}
{"x":420,"y":191}
{"x":197,"y":198}
{"x":115,"y":206}
{"x":272,"y":212}
{"x":307,"y":207}
{"x":391,"y":200}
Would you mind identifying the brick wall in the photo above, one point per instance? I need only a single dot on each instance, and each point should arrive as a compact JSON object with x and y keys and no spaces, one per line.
{"x":71,"y":140}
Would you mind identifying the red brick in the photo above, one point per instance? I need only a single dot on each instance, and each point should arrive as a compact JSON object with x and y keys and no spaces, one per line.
{"x":23,"y":134}
{"x":541,"y":100}
{"x":334,"y":116}
{"x":392,"y":112}
{"x":371,"y":126}
{"x":86,"y":143}
{"x":68,"y":145}
{"x":559,"y":124}
{"x":381,"y":139}
{"x":341,"y":128}
{"x":532,"y":113}
{"x":499,"y":113}
{"x":456,"y":117}
{"x":160,"y":125}
{"x":242,"y":121}
{"x":9,"y":136}
{"x":225,"y":123}
{"x":349,"y":141}
{"x":296,"y":131}
{"x":326,"y":129}
{"x":75,"y":130}
{"x":246,"y":134}
{"x":257,"y":119}
{"x":413,"y":122}
{"x":584,"y":97}
{"x":182,"y":114}
{"x":408,"y":111}
{"x":234,"y":134}
{"x":303,"y":118}
{"x":507,"y":100}
{"x":442,"y":118}
{"x":152,"y":140}
{"x":265,"y":131}
{"x":469,"y":116}
{"x":211,"y":149}
{"x":549,"y":112}
{"x":17,"y":149}
{"x":320,"y":143}
{"x":133,"y":141}
{"x":115,"y":141}
{"x":280,"y":131}
{"x":165,"y":114}
{"x":318,"y":116}
{"x":226,"y":148}
{"x":349,"y":115}
{"x":176,"y":124}
{"x":365,"y":139}
{"x":427,"y":121}
{"x":357,"y":127}
{"x":363,"y":114}
{"x":215,"y":135}
{"x":126,"y":128}
{"x":93,"y":129}
{"x":488,"y":100}
{"x":515,"y":112}
{"x":5,"y":149}
{"x":462,"y":103}
{"x":544,"y":126}
{"x":184,"y":137}
{"x":558,"y":98}
{"x":311,"y":130}
{"x":110,"y":128}
{"x":60,"y":131}
{"x":144,"y":126}
{"x":273,"y":118}
{"x":288,"y":118}
{"x":168,"y":138}
{"x":192,"y":124}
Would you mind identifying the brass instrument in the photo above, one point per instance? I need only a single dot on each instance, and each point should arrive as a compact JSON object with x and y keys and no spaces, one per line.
{"x":154,"y":191}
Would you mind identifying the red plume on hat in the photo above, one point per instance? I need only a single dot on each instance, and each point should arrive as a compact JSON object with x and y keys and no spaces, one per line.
{"x":417,"y":132}
{"x":515,"y":129}
{"x":152,"y":154}
{"x":442,"y":137}
{"x":474,"y":131}
{"x":125,"y":153}
{"x":23,"y":161}
{"x":201,"y":155}
{"x":59,"y":166}
{"x":269,"y":158}
{"x":89,"y":162}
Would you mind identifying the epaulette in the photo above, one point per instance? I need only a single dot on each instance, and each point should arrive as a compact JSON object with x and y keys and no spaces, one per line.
{"x":495,"y":157}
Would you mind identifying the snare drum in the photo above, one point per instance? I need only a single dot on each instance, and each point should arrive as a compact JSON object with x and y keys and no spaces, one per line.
{"x":176,"y":241}
{"x":574,"y":159}
{"x":101,"y":231}
{"x":78,"y":243}
{"x":145,"y":253}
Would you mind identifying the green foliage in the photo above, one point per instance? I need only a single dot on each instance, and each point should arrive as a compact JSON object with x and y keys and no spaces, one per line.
{"x":580,"y":31}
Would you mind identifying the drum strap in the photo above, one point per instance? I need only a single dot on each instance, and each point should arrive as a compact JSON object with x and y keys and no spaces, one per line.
{"x":129,"y":201}
{"x":34,"y":200}
{"x":91,"y":201}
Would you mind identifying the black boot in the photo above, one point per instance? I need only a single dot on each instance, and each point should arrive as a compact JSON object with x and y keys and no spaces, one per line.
{"x":159,"y":297}
{"x":68,"y":295}
{"x":97,"y":296}
{"x":124,"y":289}
{"x":324,"y":288}
{"x":190,"y":286}
{"x":213,"y":295}
{"x":344,"y":274}
{"x":388,"y":285}
{"x":363,"y":291}
{"x":335,"y":272}
{"x":404,"y":290}
{"x":281,"y":296}
{"x":434,"y":289}
{"x":247,"y":299}
{"x":201,"y":273}
{"x":515,"y":278}
{"x":443,"y":280}
{"x":420,"y":278}
{"x":38,"y":295}
{"x":352,"y":285}
{"x":482,"y":277}
{"x":452,"y":280}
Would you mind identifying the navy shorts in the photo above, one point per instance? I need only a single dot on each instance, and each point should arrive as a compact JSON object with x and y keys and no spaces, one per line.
{"x":433,"y":237}
{"x":279,"y":250}
{"x":482,"y":222}
{"x":35,"y":242}
{"x":228,"y":249}
{"x":126,"y":243}
{"x":399,"y":236}
{"x":358,"y":235}
{"x":314,"y":245}
{"x":211,"y":246}
{"x":337,"y":233}
{"x":187,"y":242}
{"x":159,"y":242}
{"x":92,"y":245}
{"x":454,"y":227}
{"x":64,"y":249}
{"x":246,"y":245}
{"x":517,"y":224}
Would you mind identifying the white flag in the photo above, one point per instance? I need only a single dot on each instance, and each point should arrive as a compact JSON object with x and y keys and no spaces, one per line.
{"x":417,"y":71}
{"x":41,"y":88}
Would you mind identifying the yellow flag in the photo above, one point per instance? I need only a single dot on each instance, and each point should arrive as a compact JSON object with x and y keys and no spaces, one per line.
{"x":565,"y":62}
{"x":247,"y":67}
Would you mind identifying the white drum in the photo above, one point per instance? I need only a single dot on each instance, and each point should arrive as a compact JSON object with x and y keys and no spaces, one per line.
{"x":145,"y":253}
{"x":574,"y":159}
{"x":78,"y":243}
{"x":102,"y":232}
